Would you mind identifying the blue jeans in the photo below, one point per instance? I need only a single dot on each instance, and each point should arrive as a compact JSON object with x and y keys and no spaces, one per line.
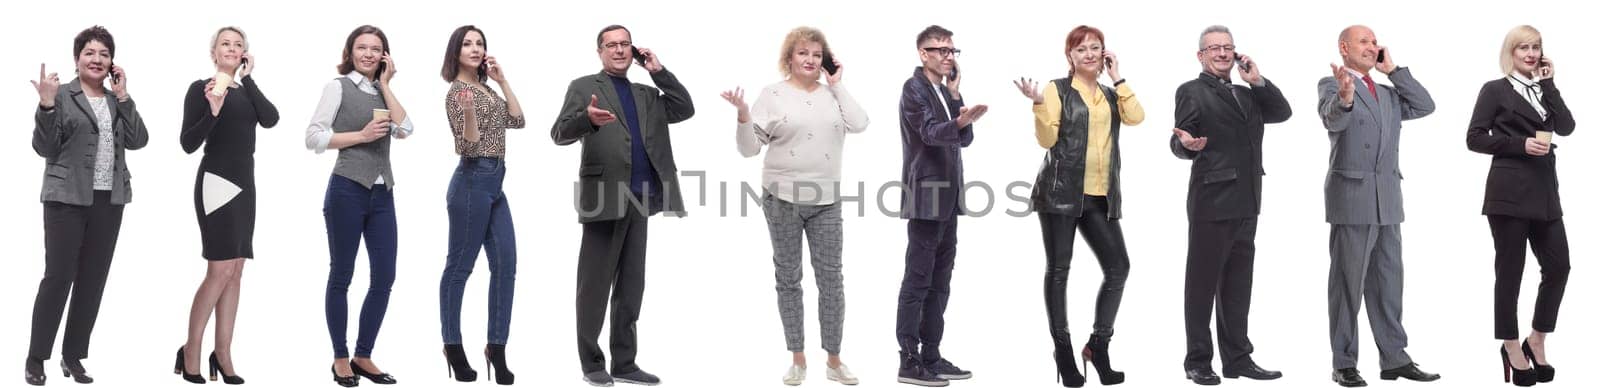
{"x":351,"y":212}
{"x":480,"y":217}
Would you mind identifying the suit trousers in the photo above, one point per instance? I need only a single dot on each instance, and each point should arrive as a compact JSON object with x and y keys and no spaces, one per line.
{"x":1366,"y":265}
{"x":1220,"y":269}
{"x":78,"y":243}
{"x":1512,"y":236}
{"x":611,"y":263}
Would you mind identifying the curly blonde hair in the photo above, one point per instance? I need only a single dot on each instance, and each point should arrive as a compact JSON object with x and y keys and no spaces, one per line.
{"x":795,"y":37}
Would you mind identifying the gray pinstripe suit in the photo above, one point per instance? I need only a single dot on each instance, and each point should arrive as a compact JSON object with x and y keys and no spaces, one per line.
{"x":1364,"y":208}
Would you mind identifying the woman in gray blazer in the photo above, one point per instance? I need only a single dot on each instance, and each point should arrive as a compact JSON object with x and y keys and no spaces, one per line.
{"x":81,"y":128}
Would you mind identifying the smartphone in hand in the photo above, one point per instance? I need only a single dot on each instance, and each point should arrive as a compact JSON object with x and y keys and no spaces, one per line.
{"x":483,"y":71}
{"x":827,"y":63}
{"x":638,"y":56}
{"x":1240,"y":62}
{"x":955,"y":70}
{"x":112,"y":71}
{"x":1381,"y":56}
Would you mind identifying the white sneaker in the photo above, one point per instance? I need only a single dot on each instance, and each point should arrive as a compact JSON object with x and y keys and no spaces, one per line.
{"x":796,"y":375}
{"x":842,"y":375}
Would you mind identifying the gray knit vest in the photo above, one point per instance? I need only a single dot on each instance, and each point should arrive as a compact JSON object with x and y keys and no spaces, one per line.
{"x":364,"y":162}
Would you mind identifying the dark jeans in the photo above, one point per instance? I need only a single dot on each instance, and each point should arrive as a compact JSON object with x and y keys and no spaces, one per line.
{"x":925,"y":288}
{"x":78,"y":244}
{"x":1221,"y":264}
{"x":611,"y":264}
{"x":351,"y":212}
{"x":1511,"y":238}
{"x":480,"y":217}
{"x":1104,"y":236}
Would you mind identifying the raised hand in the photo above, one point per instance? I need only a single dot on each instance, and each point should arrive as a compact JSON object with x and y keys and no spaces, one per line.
{"x":1029,"y":89}
{"x":249,"y":65}
{"x":1387,"y":65}
{"x":390,"y":69}
{"x":652,"y":63}
{"x":1347,"y":87}
{"x":599,"y":117}
{"x":1189,"y":142}
{"x":971,"y":114}
{"x":47,"y":86}
{"x":1113,"y":65}
{"x":495,"y":73}
{"x":119,"y":84}
{"x":837,"y":76}
{"x":1251,"y":76}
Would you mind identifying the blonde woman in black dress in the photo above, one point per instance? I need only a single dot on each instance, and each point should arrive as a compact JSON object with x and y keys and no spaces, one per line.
{"x":222,"y":113}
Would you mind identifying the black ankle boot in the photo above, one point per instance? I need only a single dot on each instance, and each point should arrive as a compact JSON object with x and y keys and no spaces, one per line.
{"x":495,"y":357}
{"x":1066,"y":366}
{"x":1095,"y":352}
{"x":456,"y":357}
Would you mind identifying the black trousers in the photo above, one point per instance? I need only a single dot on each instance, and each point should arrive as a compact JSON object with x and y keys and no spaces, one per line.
{"x":1104,"y":236}
{"x":1512,"y":236}
{"x":925,"y":287}
{"x":611,"y":264}
{"x":78,"y":244}
{"x":1221,"y":264}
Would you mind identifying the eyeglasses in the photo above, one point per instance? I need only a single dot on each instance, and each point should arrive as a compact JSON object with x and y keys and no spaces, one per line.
{"x":1216,"y":48}
{"x":619,"y":44}
{"x":951,"y":52}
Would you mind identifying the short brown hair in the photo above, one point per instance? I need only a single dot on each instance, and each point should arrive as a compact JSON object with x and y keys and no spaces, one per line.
{"x":345,"y":65}
{"x":96,"y":33}
{"x":1082,"y":33}
{"x":933,"y":32}
{"x":599,"y":38}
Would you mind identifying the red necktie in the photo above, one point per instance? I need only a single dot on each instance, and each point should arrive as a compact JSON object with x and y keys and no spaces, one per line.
{"x":1371,"y":87}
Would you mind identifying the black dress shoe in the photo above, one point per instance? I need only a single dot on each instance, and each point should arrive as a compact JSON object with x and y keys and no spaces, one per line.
{"x":34,"y":369}
{"x":1349,"y":377}
{"x":376,"y":378}
{"x":1410,"y":372}
{"x":1203,"y":376}
{"x":1249,"y":370}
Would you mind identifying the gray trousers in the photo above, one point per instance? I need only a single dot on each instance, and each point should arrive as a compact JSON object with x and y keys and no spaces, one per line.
{"x":823,"y":228}
{"x":1366,"y":263}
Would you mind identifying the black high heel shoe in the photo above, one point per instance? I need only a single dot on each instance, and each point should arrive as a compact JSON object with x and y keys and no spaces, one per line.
{"x":1095,"y":351}
{"x":344,"y":381}
{"x":1518,"y":377}
{"x":376,"y":378}
{"x":1546,"y":373}
{"x":456,"y":358}
{"x":74,"y":369}
{"x":34,"y":371}
{"x":1066,"y":367}
{"x":216,"y":368}
{"x":494,"y":357}
{"x":179,"y":369}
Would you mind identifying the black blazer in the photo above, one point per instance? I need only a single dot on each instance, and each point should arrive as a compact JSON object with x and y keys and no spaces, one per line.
{"x":607,"y":161}
{"x":930,"y":144}
{"x":1225,"y":178}
{"x":1519,"y":185}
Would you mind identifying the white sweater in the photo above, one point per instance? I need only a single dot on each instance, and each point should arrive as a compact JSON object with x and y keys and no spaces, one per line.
{"x":804,"y":135}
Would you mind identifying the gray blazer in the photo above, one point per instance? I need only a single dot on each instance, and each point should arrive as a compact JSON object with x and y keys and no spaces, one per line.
{"x":67,"y":136}
{"x":1363,"y":182}
{"x":607,"y":161}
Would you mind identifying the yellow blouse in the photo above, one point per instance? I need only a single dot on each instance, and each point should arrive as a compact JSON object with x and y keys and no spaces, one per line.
{"x":1097,"y":163}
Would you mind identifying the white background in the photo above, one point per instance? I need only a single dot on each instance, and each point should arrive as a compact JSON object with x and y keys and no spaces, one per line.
{"x":710,"y":317}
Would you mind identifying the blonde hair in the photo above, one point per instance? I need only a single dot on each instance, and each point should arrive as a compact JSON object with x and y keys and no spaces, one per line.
{"x":218,"y":36}
{"x":1517,"y":36}
{"x":795,"y":37}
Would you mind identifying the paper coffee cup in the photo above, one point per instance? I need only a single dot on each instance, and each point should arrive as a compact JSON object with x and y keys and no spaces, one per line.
{"x":224,"y":80}
{"x":380,"y":114}
{"x":1543,"y":136}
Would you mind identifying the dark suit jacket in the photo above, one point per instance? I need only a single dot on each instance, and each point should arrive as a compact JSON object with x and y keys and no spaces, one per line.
{"x":931,"y":144}
{"x":1519,"y":185}
{"x":606,"y":166}
{"x":68,"y":137}
{"x":1225,"y":178}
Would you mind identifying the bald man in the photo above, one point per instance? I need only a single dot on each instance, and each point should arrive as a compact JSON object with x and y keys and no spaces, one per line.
{"x":1362,"y":192}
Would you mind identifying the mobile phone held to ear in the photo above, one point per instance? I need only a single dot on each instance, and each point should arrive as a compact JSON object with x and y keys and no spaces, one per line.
{"x":638,"y":56}
{"x":112,"y":72}
{"x":827,"y":63}
{"x":483,"y":71}
{"x":1381,"y":56}
{"x":1240,"y":62}
{"x":955,"y":71}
